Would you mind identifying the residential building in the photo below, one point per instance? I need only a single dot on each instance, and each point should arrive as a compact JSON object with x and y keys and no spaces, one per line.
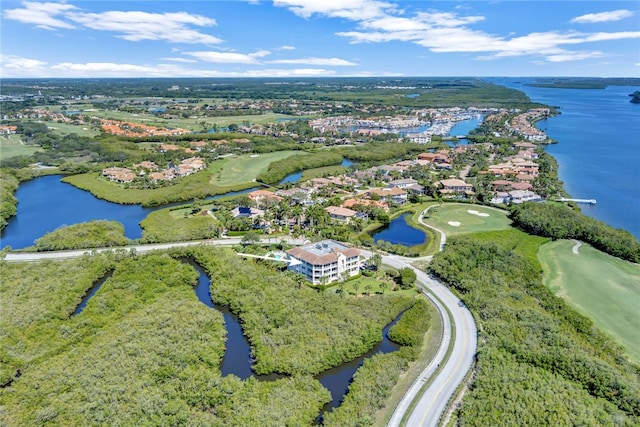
{"x":402,"y":183}
{"x":326,"y":261}
{"x":263,"y":196}
{"x":453,"y":185}
{"x":340,"y":214}
{"x":395,"y":195}
{"x":419,"y":138}
{"x":247,"y":212}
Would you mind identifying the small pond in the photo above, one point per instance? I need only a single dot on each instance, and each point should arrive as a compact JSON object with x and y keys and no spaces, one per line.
{"x":399,"y":232}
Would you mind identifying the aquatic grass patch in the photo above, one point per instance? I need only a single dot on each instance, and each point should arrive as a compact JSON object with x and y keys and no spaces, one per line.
{"x":600,"y":286}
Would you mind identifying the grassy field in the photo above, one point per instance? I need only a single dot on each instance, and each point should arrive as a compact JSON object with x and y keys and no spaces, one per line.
{"x":455,"y":218}
{"x":604,"y":288}
{"x":234,"y":170}
{"x":11,"y":146}
{"x":65,"y":128}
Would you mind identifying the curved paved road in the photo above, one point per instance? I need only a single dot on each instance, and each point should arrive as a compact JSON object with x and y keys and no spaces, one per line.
{"x":434,"y":399}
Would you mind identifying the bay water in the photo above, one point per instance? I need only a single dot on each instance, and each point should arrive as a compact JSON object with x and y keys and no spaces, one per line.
{"x":597,"y":149}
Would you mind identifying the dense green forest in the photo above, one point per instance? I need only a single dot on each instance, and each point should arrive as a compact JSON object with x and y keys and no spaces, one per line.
{"x":145,"y":350}
{"x":539,"y":362}
{"x":289,"y":316}
{"x":92,"y":234}
{"x":560,"y":222}
{"x":279,"y":169}
{"x":434,"y":91}
{"x":8,"y":186}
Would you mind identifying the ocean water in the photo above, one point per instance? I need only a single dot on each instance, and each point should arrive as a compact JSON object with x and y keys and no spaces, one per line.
{"x":598,"y":149}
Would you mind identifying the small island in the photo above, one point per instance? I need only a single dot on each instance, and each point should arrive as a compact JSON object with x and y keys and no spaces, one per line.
{"x":635,"y":97}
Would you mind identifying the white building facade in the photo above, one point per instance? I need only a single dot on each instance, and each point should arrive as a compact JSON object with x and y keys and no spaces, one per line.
{"x":326,"y":261}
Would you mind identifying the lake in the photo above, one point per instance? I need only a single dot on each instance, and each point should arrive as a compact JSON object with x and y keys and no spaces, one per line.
{"x":598,"y":149}
{"x":399,"y":232}
{"x":46,"y":203}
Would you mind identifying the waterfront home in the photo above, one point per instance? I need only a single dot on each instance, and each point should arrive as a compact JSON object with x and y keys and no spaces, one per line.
{"x":521,"y":196}
{"x":340,"y":214}
{"x":117,"y":174}
{"x":297,"y":195}
{"x":419,"y":138}
{"x":263,"y":197}
{"x":500,"y":197}
{"x":325,"y":261}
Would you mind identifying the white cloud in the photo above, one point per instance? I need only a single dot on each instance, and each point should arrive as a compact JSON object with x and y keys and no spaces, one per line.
{"x":12,"y":65}
{"x":356,"y":10}
{"x":133,"y":25}
{"x":287,"y":47}
{"x":42,"y":15}
{"x":136,"y":26}
{"x":446,"y":32}
{"x":296,"y":72}
{"x":229,"y":57}
{"x":335,"y":62}
{"x":573,"y":56}
{"x":614,"y":15}
{"x":178,"y":59}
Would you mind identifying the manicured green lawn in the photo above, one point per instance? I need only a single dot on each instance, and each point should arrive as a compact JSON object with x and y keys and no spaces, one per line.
{"x":11,"y":146}
{"x":65,"y":128}
{"x":602,"y":287}
{"x":455,"y":218}
{"x":243,"y":169}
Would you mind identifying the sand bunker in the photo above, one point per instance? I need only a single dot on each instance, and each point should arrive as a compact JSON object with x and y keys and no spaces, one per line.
{"x":454,"y":223}
{"x":474,"y":212}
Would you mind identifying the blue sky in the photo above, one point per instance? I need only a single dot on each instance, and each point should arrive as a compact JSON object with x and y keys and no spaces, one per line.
{"x":309,"y":38}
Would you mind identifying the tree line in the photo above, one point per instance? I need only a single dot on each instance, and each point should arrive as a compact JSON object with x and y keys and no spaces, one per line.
{"x":535,"y":353}
{"x":560,"y":222}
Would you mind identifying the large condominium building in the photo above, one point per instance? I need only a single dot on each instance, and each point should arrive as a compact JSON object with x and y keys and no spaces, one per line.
{"x":325,"y":261}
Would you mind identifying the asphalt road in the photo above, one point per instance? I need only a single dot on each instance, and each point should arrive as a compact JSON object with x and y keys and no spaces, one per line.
{"x":434,"y":399}
{"x":38,"y":256}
